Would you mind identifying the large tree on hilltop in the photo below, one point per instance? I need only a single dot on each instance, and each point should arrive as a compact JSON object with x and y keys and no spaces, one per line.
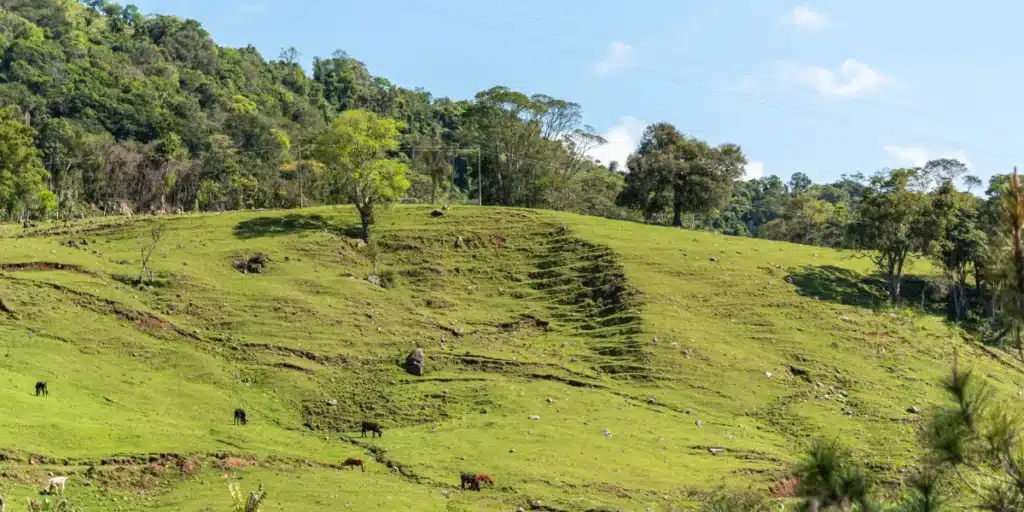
{"x":891,"y":224}
{"x":671,"y":169}
{"x":358,"y":149}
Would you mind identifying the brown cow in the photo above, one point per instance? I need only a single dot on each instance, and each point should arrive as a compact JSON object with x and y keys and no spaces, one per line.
{"x":353,"y":462}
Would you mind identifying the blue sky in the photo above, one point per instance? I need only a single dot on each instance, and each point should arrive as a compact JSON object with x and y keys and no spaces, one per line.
{"x":826,"y":87}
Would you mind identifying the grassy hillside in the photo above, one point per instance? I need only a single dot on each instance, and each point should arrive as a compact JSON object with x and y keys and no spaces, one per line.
{"x":663,"y":338}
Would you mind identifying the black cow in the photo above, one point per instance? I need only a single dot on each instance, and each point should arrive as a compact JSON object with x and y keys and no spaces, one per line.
{"x":373,"y":428}
{"x":41,"y":389}
{"x":240,"y":418}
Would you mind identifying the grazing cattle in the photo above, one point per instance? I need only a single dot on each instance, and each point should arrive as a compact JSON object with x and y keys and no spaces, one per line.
{"x":54,"y":484}
{"x":353,"y":462}
{"x":373,"y":428}
{"x":482,"y":477}
{"x":467,"y":479}
{"x":240,"y":418}
{"x":41,"y":389}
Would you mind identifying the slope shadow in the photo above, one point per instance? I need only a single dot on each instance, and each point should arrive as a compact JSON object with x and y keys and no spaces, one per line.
{"x":839,"y":284}
{"x":291,"y":224}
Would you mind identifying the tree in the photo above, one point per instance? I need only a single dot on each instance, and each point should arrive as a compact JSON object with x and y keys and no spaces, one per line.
{"x":358,"y":149}
{"x":830,"y":479}
{"x":22,"y":176}
{"x":432,"y":159}
{"x":798,"y":183}
{"x":957,"y":241}
{"x":156,"y":235}
{"x":890,"y":225}
{"x":685,"y":172}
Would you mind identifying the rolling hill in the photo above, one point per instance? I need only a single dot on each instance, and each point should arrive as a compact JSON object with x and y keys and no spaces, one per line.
{"x":585,"y":363}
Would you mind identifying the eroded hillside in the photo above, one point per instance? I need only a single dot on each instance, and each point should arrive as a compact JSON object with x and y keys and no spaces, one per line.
{"x":639,"y":348}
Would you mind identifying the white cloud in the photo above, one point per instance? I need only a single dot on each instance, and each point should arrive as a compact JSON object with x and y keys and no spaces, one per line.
{"x":852,"y":79}
{"x":623,"y":139}
{"x":916,"y":157}
{"x":618,"y":58}
{"x":805,"y":18}
{"x":753,"y":170}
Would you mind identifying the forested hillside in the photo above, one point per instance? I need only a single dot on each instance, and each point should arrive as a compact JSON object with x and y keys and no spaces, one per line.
{"x":107,"y":110}
{"x":133,"y":112}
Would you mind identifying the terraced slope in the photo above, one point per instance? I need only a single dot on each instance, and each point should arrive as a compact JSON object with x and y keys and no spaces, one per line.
{"x":636,"y":351}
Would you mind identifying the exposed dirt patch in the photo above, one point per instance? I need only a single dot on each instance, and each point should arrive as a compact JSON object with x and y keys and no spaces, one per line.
{"x":41,"y":266}
{"x":295,"y":367}
{"x":303,"y":354}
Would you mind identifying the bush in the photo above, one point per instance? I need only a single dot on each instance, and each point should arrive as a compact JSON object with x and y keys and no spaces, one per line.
{"x":388,"y":279}
{"x":737,"y":501}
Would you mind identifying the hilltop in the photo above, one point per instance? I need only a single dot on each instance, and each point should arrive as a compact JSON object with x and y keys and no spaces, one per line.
{"x":639,"y":348}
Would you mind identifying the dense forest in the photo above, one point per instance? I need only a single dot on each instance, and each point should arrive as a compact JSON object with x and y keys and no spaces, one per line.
{"x":104,"y":110}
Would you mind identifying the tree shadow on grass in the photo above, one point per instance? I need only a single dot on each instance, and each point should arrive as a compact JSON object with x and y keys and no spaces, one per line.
{"x":291,"y":224}
{"x":840,"y":285}
{"x":845,"y":286}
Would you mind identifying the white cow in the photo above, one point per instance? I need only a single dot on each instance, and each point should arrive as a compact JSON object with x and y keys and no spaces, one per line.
{"x":55,"y":483}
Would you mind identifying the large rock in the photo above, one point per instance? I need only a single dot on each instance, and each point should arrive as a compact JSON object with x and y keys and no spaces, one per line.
{"x":414,"y":362}
{"x":437,"y":213}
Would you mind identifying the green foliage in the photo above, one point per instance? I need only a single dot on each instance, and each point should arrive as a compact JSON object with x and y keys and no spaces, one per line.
{"x":251,"y":503}
{"x":357,"y":149}
{"x":60,"y":505}
{"x":891,"y":223}
{"x":683,"y":173}
{"x":22,"y":177}
{"x":830,"y":477}
{"x":738,"y":501}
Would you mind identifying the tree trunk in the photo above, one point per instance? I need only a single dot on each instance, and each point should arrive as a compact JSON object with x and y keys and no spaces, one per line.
{"x":433,"y":189}
{"x":894,"y":288}
{"x":677,"y":215}
{"x":367,"y":221}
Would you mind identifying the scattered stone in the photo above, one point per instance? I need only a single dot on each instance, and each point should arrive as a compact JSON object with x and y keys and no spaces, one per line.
{"x":374,"y":279}
{"x":848,"y":413}
{"x":654,"y":341}
{"x":689,"y":411}
{"x":799,"y":372}
{"x":845,"y":319}
{"x":714,"y":260}
{"x":483,"y":411}
{"x":551,"y":400}
{"x":699,"y":423}
{"x":534,"y":417}
{"x":437,"y":213}
{"x":914,"y":410}
{"x":445,"y":207}
{"x":768,"y":374}
{"x":460,"y":243}
{"x":512,"y":450}
{"x":652,"y":400}
{"x":360,"y":243}
{"x":414,"y":362}
{"x":536,"y":505}
{"x":605,"y":432}
{"x":255,"y":264}
{"x":444,"y":492}
{"x":716,"y":451}
{"x":332,"y":402}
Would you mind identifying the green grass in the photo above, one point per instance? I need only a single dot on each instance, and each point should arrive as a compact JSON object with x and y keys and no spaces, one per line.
{"x":528,"y":306}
